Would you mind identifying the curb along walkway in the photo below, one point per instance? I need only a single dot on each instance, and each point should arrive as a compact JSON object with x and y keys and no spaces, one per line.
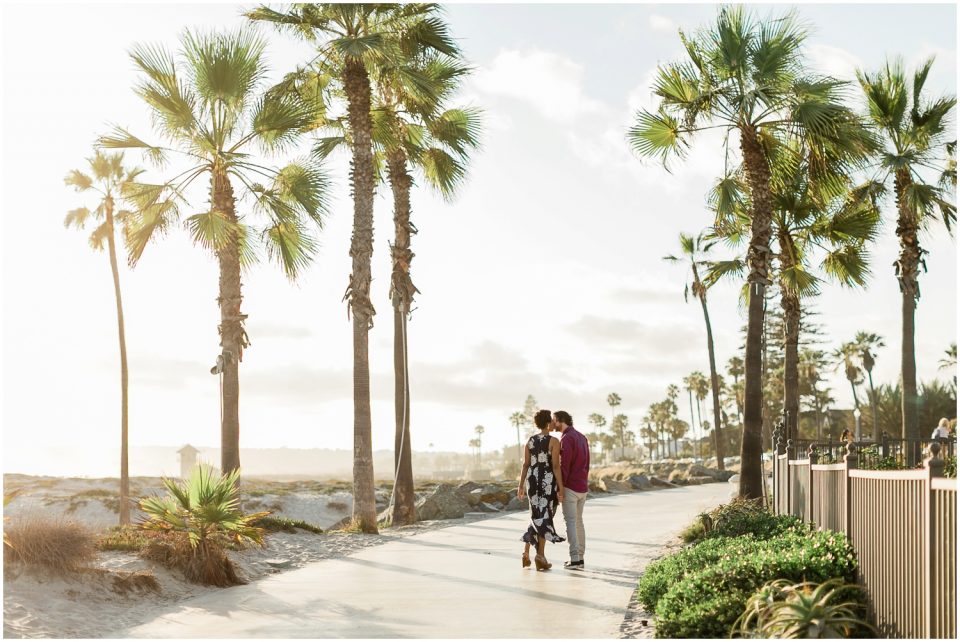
{"x":459,"y":582}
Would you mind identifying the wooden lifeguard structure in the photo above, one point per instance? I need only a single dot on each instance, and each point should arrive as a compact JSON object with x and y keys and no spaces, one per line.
{"x":188,"y":460}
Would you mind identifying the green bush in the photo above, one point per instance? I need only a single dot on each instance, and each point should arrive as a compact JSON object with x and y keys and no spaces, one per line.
{"x":720,"y":575}
{"x":950,"y":467}
{"x":739,"y":517}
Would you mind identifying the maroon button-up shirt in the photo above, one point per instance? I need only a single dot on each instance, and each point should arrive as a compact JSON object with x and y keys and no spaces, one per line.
{"x":574,"y":460}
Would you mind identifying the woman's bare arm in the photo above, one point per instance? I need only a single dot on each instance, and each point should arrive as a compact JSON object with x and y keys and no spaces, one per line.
{"x":557,"y":472}
{"x":521,"y":488}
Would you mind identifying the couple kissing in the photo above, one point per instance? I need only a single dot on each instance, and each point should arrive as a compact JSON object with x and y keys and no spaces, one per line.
{"x":554,"y":471}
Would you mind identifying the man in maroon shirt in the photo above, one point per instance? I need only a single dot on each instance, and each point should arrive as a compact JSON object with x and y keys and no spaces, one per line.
{"x":575,"y":467}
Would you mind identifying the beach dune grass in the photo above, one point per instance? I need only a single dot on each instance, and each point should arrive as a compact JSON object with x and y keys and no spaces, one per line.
{"x":54,"y":543}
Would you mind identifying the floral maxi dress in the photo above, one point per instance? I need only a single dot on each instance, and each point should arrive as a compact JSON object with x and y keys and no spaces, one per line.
{"x":541,"y":491}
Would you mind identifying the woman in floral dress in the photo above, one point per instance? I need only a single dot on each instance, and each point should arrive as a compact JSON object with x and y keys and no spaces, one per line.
{"x":541,"y":481}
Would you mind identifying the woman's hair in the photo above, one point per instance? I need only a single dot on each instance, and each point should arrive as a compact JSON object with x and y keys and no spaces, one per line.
{"x":944,"y":423}
{"x":542,"y":419}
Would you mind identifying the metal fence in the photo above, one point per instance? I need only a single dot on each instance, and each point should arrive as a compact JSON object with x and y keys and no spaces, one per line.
{"x":902,"y":524}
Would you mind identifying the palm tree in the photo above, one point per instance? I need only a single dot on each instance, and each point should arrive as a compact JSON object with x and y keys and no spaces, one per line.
{"x":108,"y":179}
{"x":694,"y":248}
{"x":846,"y":356}
{"x":868,"y":343}
{"x":360,"y":41}
{"x":411,"y":131}
{"x":914,"y":131}
{"x":475,"y":444}
{"x":518,"y":419}
{"x":479,"y":430}
{"x":735,"y":370}
{"x":598,"y":420}
{"x":814,"y":211}
{"x":746,"y":77}
{"x":208,"y":103}
{"x":700,"y":391}
{"x":619,"y":427}
{"x":613,"y":400}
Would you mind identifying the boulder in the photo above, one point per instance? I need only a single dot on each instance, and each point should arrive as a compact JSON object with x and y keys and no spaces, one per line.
{"x":489,"y":508}
{"x":595,"y":486}
{"x":516,"y":503}
{"x":612,"y":485}
{"x":697,"y":479}
{"x":639,"y":482}
{"x":473,"y":497}
{"x":443,"y":503}
{"x":492,"y":493}
{"x":659,"y":483}
{"x":677,"y":476}
{"x":468,"y":487}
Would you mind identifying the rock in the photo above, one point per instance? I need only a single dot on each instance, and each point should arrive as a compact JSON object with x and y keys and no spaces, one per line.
{"x":639,"y":482}
{"x":474,"y":496}
{"x":468,"y":487}
{"x":443,"y":503}
{"x":343,"y":523}
{"x":278,"y":563}
{"x":595,"y":487}
{"x":516,"y":503}
{"x":612,"y":485}
{"x":677,"y":477}
{"x":492,"y":493}
{"x":488,"y":508}
{"x":700,"y":480}
{"x":733,"y":479}
{"x":659,"y":483}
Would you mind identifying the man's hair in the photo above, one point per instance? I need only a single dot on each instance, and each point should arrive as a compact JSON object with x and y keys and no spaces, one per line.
{"x":563,"y":417}
{"x":542,"y":419}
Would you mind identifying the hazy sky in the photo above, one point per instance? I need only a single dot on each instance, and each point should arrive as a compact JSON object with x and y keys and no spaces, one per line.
{"x":543,"y":277}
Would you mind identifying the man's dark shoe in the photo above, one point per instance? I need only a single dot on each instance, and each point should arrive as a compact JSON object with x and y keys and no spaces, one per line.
{"x":574,"y":566}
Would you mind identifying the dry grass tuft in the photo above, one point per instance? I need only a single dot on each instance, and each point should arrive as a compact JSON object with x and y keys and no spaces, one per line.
{"x":123,"y":538}
{"x":205,"y":564}
{"x":57,"y":544}
{"x":137,"y":582}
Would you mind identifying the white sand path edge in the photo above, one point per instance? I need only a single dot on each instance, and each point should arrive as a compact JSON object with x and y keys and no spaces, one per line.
{"x":459,"y":582}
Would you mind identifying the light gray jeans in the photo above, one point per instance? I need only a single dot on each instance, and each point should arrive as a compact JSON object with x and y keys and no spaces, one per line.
{"x":573,"y":515}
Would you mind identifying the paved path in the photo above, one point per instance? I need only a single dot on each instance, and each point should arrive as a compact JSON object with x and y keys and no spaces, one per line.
{"x":459,"y":582}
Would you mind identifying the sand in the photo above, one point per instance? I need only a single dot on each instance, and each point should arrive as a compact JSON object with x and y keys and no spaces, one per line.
{"x":39,"y":604}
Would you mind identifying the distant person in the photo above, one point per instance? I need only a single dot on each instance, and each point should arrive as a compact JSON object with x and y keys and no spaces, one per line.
{"x":575,"y":466}
{"x":542,"y":482}
{"x":942,"y":431}
{"x":846,"y":436}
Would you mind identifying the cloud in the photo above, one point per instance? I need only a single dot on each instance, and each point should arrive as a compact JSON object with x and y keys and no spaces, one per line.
{"x":551,"y":83}
{"x":672,"y":338}
{"x":834,"y":61}
{"x":662,"y":23}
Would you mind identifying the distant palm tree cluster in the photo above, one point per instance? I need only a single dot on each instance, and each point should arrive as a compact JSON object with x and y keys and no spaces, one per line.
{"x":807,"y":178}
{"x":379,"y":86}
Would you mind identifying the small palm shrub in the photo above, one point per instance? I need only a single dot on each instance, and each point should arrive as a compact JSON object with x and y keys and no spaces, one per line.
{"x":52,"y":543}
{"x":782,"y":609}
{"x":739,"y":517}
{"x":195,"y":522}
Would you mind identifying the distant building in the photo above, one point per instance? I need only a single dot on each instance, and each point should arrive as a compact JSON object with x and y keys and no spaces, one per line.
{"x":188,"y":460}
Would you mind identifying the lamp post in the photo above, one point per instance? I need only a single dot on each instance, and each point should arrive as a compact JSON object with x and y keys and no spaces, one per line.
{"x":856,"y":419}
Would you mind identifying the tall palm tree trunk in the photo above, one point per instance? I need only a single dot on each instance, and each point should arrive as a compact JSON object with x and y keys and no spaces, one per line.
{"x":790,"y":303}
{"x":714,"y":385}
{"x":124,"y":402}
{"x":401,"y":292}
{"x":357,"y":86}
{"x":232,"y":336}
{"x":758,"y":256}
{"x":690,"y":395}
{"x":908,"y":268}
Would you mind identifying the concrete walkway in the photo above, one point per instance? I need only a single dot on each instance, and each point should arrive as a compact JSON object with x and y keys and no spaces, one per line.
{"x":459,"y":582}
